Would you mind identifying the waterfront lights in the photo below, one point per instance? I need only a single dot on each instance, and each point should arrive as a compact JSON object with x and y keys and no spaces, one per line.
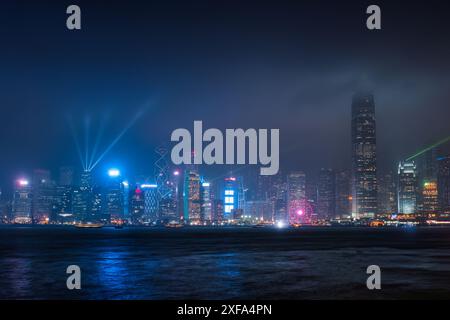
{"x":280,"y":224}
{"x":148,"y":185}
{"x":113,"y":173}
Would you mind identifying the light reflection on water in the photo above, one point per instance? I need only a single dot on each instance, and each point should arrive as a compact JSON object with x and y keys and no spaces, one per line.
{"x":223,"y":264}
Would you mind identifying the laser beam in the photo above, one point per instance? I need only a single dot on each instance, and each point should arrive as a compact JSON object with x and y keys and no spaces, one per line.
{"x":434,"y":145}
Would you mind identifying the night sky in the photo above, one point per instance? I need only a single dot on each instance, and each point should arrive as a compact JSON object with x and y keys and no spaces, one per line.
{"x":292,"y":65}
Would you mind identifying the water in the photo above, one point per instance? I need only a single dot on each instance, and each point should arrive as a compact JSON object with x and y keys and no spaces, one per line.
{"x":230,"y":263}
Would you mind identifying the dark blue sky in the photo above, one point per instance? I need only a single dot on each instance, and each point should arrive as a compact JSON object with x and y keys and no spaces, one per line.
{"x":291,"y":65}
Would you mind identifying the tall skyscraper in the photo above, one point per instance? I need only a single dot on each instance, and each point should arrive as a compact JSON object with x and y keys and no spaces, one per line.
{"x":114,"y":194}
{"x":230,"y":197}
{"x":364,"y":156}
{"x":444,"y":184}
{"x":43,"y":196}
{"x":137,"y":206}
{"x":296,"y":197}
{"x":343,"y":195}
{"x":22,"y":202}
{"x":326,"y":204}
{"x":407,"y":187}
{"x":387,"y":195}
{"x":83,"y":198}
{"x":192,"y":203}
{"x":206,"y":213}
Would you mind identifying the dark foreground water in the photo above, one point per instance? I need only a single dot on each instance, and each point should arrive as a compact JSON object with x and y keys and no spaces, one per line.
{"x":232,"y":263}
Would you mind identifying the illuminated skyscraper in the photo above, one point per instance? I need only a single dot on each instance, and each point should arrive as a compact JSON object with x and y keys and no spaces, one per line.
{"x":151,"y":202}
{"x":22,"y":202}
{"x":364,"y":157}
{"x":83,"y":198}
{"x":343,"y":196}
{"x":387,"y":195}
{"x":206,"y":213}
{"x":326,"y":204}
{"x":43,"y":196}
{"x":296,"y":197}
{"x":137,"y":206}
{"x":430,"y":202}
{"x":230,"y":197}
{"x":114,"y":204}
{"x":444,"y":184}
{"x":192,"y":201}
{"x":407,"y":187}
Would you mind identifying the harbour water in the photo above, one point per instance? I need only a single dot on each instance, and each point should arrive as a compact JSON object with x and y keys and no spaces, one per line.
{"x":227,"y":263}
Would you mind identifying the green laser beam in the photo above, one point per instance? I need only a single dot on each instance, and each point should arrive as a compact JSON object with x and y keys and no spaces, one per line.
{"x":429,"y":148}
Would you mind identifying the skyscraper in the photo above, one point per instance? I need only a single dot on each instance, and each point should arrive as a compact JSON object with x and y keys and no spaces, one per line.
{"x":326,"y":195}
{"x":192,"y":204}
{"x":387,"y":195}
{"x":343,"y":195}
{"x":444,"y":184}
{"x":230,"y":197}
{"x":364,"y":158}
{"x":407,"y":187}
{"x":22,"y":202}
{"x":296,"y":197}
{"x":43,"y":196}
{"x":206,"y":213}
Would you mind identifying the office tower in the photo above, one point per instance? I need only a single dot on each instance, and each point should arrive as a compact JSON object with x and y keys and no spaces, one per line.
{"x":192,"y":201}
{"x":22,"y":202}
{"x":364,"y":159}
{"x":97,"y":212}
{"x":62,"y":205}
{"x":230,"y":197}
{"x":311,"y":198}
{"x":387,"y":195}
{"x":114,"y":204}
{"x":137,"y":206}
{"x":427,"y":171}
{"x":343,"y":196}
{"x":430,"y":201}
{"x":43,"y":196}
{"x":206,"y":212}
{"x":443,"y":180}
{"x":326,"y":204}
{"x":83,"y":198}
{"x":296,"y":197}
{"x":168,"y":209}
{"x":218,"y":211}
{"x":407,"y":187}
{"x":151,"y":203}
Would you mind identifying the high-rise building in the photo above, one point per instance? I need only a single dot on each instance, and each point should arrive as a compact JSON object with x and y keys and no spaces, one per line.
{"x":151,"y":203}
{"x":296,"y":197}
{"x":430,"y":201}
{"x":407,"y":187}
{"x":192,"y":201}
{"x":218,"y":211}
{"x":43,"y":196}
{"x":83,"y":198}
{"x":22,"y":202}
{"x":326,"y":204}
{"x":364,"y":157}
{"x":387,"y":195}
{"x":137,"y":206}
{"x":343,"y":195}
{"x":114,"y":194}
{"x":230,"y":197}
{"x":443,"y":180}
{"x":206,"y":212}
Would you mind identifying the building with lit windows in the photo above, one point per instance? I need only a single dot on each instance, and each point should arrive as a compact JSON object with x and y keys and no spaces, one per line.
{"x":192,"y":198}
{"x":364,"y":156}
{"x":343,"y":195}
{"x":407,"y":187}
{"x":326,"y":204}
{"x":230,"y":197}
{"x":296,"y":198}
{"x":22,"y":202}
{"x":151,"y":202}
{"x":430,"y":201}
{"x":443,"y":181}
{"x":206,"y":213}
